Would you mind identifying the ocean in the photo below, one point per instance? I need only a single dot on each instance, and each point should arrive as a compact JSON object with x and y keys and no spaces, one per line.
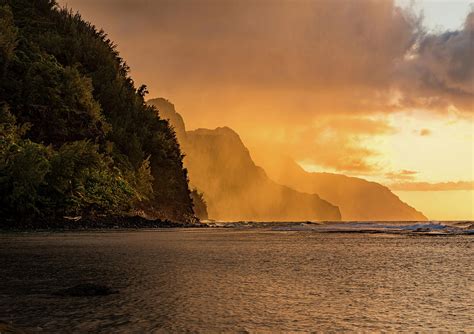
{"x":293,"y":277}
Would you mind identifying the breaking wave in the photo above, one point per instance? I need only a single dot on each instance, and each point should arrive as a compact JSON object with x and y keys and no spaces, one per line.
{"x":396,"y":227}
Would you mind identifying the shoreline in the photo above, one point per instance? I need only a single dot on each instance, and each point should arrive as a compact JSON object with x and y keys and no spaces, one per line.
{"x":97,"y":223}
{"x":137,"y":223}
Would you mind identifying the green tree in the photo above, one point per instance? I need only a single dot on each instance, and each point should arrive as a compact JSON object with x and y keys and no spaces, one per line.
{"x":199,"y":204}
{"x":23,"y":168}
{"x":8,"y":36}
{"x":83,"y":181}
{"x":75,"y":105}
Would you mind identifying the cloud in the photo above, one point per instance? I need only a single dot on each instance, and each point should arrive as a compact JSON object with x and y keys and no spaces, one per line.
{"x":425,"y":132}
{"x":336,"y":143}
{"x":311,"y":46}
{"x":402,"y":175}
{"x":340,"y":153}
{"x":263,"y":67}
{"x":439,"y":72}
{"x":426,"y":186}
{"x":319,"y":47}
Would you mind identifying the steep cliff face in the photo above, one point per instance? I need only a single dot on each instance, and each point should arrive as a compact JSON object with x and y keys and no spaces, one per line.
{"x":357,"y":198}
{"x":235,"y":188}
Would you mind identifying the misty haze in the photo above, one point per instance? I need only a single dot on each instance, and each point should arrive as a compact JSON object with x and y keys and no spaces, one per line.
{"x":236,"y":166}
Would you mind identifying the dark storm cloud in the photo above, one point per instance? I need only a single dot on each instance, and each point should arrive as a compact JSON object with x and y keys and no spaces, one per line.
{"x":357,"y":48}
{"x":280,"y":64}
{"x":282,"y":43}
{"x":440,"y":72}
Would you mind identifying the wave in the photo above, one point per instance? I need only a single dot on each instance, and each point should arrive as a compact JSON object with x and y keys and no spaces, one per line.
{"x":395,"y":227}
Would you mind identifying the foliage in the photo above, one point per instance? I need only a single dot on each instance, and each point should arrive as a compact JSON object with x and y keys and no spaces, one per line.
{"x":83,"y":181}
{"x":199,"y":203}
{"x":76,"y":135}
{"x":8,"y":35}
{"x":23,"y":167}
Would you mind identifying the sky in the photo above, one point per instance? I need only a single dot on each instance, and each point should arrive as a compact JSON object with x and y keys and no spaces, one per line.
{"x":382,"y":90}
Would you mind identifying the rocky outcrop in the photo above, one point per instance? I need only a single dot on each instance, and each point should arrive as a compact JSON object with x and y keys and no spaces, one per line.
{"x":86,"y":290}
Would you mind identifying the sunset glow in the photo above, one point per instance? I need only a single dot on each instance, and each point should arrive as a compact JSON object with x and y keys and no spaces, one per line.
{"x":236,"y":166}
{"x":375,"y":90}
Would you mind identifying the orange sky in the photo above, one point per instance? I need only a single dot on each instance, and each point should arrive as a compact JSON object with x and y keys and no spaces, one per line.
{"x":354,"y":87}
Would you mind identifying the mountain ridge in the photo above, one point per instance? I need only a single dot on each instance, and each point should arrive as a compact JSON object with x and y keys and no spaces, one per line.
{"x":234,"y":187}
{"x":356,"y":198}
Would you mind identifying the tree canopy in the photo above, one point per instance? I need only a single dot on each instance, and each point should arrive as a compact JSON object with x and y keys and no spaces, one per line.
{"x":76,"y":137}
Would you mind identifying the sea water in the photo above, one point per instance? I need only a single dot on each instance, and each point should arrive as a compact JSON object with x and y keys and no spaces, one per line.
{"x":276,"y":278}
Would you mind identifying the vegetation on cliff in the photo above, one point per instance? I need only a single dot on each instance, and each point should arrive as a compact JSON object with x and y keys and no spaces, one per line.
{"x":76,"y":137}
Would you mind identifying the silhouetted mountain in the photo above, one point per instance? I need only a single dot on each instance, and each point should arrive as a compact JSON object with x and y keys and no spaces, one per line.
{"x":221,"y":167}
{"x":357,"y":198}
{"x":235,"y":188}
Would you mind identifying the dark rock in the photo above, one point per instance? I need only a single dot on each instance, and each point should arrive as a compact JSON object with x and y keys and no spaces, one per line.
{"x":100,"y":222}
{"x":422,"y":229}
{"x":86,"y":290}
{"x":9,"y":329}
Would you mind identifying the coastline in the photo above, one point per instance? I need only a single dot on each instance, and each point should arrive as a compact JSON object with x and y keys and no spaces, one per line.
{"x":98,"y":223}
{"x":138,"y":223}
